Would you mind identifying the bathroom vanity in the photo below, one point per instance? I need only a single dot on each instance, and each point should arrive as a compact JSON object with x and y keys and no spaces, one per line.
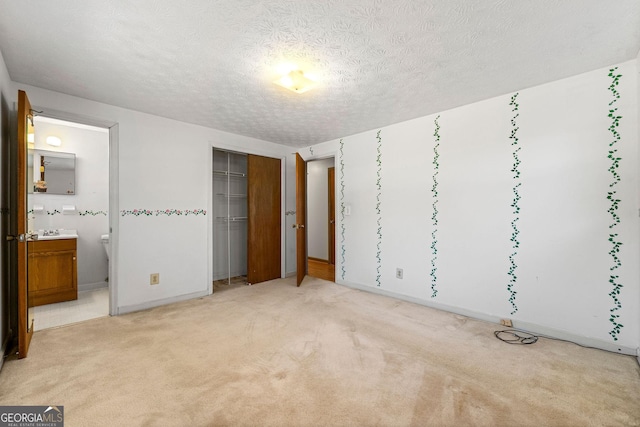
{"x":52,"y":263}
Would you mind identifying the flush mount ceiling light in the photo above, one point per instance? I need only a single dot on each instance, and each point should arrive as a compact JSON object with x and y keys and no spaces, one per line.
{"x":296,"y":81}
{"x":54,"y":140}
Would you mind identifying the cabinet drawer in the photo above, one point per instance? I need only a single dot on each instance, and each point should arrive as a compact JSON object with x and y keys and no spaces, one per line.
{"x":52,"y":245}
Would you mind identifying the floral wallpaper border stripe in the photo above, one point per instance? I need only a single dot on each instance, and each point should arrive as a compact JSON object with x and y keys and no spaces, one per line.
{"x":378,"y":208}
{"x":58,"y":212}
{"x":615,"y":202}
{"x":132,"y":212}
{"x":434,"y":216}
{"x":513,"y":279}
{"x":162,"y":212}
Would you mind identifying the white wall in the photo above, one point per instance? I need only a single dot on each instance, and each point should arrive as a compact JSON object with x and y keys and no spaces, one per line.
{"x":164,"y":170}
{"x":317,"y":208}
{"x":562,"y":265}
{"x":91,"y":198}
{"x":638,"y":111}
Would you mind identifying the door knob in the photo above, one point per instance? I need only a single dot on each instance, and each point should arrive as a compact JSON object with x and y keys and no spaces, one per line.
{"x":19,"y":237}
{"x":297,"y":226}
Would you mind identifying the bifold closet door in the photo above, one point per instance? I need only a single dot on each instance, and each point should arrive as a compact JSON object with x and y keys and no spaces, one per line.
{"x":264,"y":218}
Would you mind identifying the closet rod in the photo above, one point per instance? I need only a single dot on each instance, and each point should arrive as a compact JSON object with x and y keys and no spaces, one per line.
{"x":232,"y":218}
{"x":231,"y":174}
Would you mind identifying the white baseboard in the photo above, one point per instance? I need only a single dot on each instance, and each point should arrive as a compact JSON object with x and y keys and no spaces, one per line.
{"x":92,"y":286}
{"x":291,"y":274}
{"x":547,"y":332}
{"x":157,"y":303}
{"x":542,"y":331}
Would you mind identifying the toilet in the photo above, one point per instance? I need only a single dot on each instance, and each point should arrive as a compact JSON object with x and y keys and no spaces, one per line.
{"x":105,"y":243}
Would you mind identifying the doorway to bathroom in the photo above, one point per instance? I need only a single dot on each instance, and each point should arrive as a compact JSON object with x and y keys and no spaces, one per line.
{"x":68,"y":209}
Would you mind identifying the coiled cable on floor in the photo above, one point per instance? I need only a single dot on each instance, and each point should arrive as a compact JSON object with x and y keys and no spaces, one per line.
{"x":512,"y":336}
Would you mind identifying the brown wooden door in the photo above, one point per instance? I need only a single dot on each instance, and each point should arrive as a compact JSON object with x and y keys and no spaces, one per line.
{"x":264,"y":219}
{"x":332,"y":216}
{"x":301,"y":218}
{"x":25,"y":310}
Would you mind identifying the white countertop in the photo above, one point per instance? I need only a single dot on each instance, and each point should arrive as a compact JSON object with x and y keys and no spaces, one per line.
{"x":62,"y":234}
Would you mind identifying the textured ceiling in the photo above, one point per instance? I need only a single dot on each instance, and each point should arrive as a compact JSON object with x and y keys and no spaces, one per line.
{"x":379,"y":62}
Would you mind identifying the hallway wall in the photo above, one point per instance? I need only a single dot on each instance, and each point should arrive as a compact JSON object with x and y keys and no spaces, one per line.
{"x":318,"y":209}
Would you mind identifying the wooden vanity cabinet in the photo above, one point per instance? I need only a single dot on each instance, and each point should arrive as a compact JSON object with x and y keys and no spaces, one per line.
{"x":52,"y":271}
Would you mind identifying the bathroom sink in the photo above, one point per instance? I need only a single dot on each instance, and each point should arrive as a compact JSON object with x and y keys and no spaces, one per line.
{"x":57,"y":234}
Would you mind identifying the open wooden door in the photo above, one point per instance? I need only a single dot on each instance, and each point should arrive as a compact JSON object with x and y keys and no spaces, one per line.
{"x":301,"y":218}
{"x":25,"y":311}
{"x":264,"y":219}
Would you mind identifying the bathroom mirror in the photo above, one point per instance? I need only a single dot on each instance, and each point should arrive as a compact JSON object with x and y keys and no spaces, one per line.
{"x":51,"y":172}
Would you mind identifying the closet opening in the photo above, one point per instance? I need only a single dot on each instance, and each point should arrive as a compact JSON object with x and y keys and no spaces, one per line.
{"x":230,"y":219}
{"x":247,"y":220}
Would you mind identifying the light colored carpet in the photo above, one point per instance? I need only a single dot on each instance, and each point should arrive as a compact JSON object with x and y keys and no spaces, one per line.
{"x":319,"y":355}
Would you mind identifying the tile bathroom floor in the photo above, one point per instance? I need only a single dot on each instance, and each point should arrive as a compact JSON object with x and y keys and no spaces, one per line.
{"x":89,"y":305}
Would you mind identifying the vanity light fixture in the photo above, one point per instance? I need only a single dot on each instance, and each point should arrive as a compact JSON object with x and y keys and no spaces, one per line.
{"x":296,"y":81}
{"x":54,"y":140}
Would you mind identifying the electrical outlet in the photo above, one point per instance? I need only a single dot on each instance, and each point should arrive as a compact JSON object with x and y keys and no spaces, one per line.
{"x":154,"y":279}
{"x":399,"y":273}
{"x":506,"y":322}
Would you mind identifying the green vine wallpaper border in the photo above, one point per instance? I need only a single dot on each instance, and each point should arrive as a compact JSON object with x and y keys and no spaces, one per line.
{"x":615,"y":204}
{"x":92,"y":213}
{"x":379,"y":208}
{"x":343,"y":250}
{"x":513,"y":266}
{"x":434,"y":216}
